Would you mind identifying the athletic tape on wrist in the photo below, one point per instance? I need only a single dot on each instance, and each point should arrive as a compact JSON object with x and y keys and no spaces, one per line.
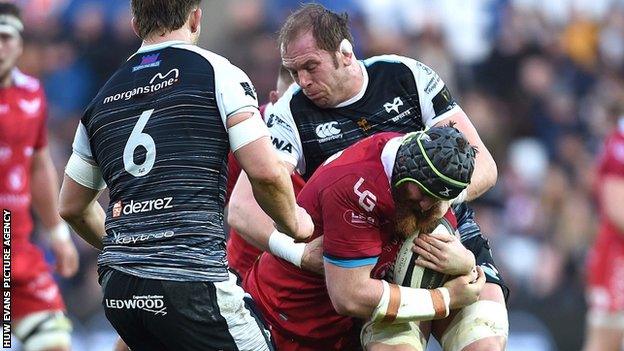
{"x":399,"y":304}
{"x":285,"y":247}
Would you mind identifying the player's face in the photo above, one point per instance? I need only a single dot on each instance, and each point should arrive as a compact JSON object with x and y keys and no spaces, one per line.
{"x":10,"y":51}
{"x":318,"y":72}
{"x":414,"y":210}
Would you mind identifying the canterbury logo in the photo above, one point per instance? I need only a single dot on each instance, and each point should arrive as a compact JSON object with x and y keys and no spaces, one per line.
{"x":160,"y":76}
{"x":393,"y":106}
{"x":446,"y":192}
{"x":327,"y":130}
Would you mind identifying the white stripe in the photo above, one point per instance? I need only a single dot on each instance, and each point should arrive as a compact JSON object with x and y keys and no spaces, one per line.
{"x":242,"y":326}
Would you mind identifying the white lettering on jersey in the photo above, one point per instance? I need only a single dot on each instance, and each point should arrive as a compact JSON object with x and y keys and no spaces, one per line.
{"x":367,"y":199}
{"x":394,"y":105}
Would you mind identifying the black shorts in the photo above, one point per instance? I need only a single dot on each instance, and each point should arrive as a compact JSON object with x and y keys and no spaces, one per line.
{"x":170,"y":315}
{"x":480,"y":247}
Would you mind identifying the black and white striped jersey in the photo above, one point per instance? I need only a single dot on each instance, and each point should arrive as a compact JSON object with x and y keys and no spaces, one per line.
{"x":157,"y":132}
{"x":399,"y":94}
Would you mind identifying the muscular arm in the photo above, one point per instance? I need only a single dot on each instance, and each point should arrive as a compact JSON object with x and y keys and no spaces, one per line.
{"x":612,"y":193}
{"x":78,"y":206}
{"x":44,"y":188}
{"x":485,"y":171}
{"x":269,"y":179}
{"x":246,"y":216}
{"x":352,"y":291}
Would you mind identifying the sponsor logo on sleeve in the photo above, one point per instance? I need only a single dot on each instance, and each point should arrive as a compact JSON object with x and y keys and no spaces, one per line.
{"x":276,"y":120}
{"x":148,"y":61}
{"x":249,"y":89}
{"x":281,"y":145}
{"x":432,"y":84}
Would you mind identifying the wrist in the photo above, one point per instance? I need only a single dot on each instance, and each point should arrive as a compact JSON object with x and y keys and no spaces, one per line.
{"x":285,"y":247}
{"x":60,"y":233}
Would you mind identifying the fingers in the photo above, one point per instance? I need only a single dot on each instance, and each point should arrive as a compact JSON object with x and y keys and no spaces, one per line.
{"x":427,"y":264}
{"x":481,"y":277}
{"x":442,"y":236}
{"x":429,"y":244}
{"x":426,"y":255}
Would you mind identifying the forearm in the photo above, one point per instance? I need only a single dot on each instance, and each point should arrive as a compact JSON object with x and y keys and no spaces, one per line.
{"x":277,"y":199}
{"x":356,"y":300}
{"x":246,"y":217}
{"x":484,"y":176}
{"x":485,"y":171}
{"x":44,"y":189}
{"x":90,"y":224}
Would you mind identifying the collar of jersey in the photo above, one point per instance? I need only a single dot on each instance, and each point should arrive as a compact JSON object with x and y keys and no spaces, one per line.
{"x":159,"y":46}
{"x":359,"y":95}
{"x":388,"y":155}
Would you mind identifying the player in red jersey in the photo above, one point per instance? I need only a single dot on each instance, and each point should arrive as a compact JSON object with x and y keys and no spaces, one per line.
{"x":28,"y":177}
{"x":605,"y":273}
{"x":355,"y":208}
{"x":242,"y":254}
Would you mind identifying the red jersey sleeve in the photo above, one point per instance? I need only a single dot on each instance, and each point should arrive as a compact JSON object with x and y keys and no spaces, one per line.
{"x":351,"y":222}
{"x":42,"y":131}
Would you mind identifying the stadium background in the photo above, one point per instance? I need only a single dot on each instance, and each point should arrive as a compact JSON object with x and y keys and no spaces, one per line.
{"x":536,"y":78}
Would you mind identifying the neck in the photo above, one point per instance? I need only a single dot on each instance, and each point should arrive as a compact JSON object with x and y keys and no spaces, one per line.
{"x":355,"y":80}
{"x":180,"y":34}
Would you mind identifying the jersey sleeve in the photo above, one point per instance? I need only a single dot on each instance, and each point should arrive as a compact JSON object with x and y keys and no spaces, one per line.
{"x":234,"y":91}
{"x":42,"y":132}
{"x":81,"y":146}
{"x":351,"y":223}
{"x":436,"y":101}
{"x":284,"y":133}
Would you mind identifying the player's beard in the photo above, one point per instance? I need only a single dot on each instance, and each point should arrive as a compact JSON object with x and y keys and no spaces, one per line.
{"x":408,"y":219}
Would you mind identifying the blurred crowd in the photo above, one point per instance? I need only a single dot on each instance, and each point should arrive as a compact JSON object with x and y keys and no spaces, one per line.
{"x":537,"y":78}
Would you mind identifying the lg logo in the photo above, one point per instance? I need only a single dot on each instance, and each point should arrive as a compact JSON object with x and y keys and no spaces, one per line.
{"x":327,"y":130}
{"x":367,"y":199}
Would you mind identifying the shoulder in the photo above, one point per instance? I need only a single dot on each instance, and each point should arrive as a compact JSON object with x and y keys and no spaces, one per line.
{"x":26,"y":82}
{"x":389,"y":62}
{"x":281,"y":110}
{"x":219,"y":63}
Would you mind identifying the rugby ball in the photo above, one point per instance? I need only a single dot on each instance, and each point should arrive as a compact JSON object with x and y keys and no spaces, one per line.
{"x":407,"y":273}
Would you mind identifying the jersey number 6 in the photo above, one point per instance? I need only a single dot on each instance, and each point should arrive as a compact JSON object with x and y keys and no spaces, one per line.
{"x":138,"y":138}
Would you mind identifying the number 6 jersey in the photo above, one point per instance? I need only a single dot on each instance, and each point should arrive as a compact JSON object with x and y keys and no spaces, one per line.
{"x":156,"y":131}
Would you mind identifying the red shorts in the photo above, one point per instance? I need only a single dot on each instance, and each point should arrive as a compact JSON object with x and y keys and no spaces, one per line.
{"x":605,"y":275}
{"x":286,"y":343}
{"x":33,"y":288}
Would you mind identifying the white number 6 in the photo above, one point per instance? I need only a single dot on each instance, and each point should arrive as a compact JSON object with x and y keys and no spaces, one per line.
{"x":138,"y":138}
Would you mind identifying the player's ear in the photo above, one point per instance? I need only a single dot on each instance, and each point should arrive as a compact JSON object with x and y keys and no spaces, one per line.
{"x":135,"y":27}
{"x":273,"y":96}
{"x":346,"y":52}
{"x":195,"y":20}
